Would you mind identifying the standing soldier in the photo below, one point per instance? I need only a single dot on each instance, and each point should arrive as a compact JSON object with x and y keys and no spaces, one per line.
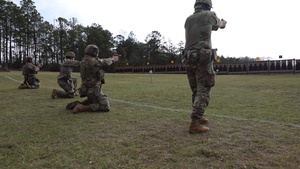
{"x":199,"y":57}
{"x":65,"y":79}
{"x":92,"y":78}
{"x":29,"y":72}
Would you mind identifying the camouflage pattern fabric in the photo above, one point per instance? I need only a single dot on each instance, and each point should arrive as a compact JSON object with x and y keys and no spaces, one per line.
{"x":201,"y":80}
{"x":67,"y":67}
{"x":29,"y":72}
{"x":99,"y":101}
{"x":199,"y":63}
{"x":65,"y":79}
{"x":92,"y":77}
{"x":69,"y":86}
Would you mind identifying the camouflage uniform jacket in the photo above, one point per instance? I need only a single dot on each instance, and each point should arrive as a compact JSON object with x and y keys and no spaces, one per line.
{"x":66,"y":69}
{"x":90,"y":70}
{"x":29,"y":70}
{"x":198,"y":29}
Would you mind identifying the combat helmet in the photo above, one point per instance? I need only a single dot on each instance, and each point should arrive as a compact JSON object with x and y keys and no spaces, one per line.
{"x":91,"y":50}
{"x":208,"y":2}
{"x":29,"y":59}
{"x":70,"y":55}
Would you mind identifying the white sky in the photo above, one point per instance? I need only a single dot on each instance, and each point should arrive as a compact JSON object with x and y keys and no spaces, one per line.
{"x":255,"y":28}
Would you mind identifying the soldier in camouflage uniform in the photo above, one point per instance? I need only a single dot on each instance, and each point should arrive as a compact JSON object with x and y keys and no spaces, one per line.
{"x":29,"y":72}
{"x":65,"y":79}
{"x":92,"y":79}
{"x":199,"y":60}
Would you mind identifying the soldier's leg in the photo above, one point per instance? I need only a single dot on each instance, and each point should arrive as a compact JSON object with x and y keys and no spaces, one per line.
{"x":104,"y":103}
{"x":67,"y":93}
{"x":90,"y":104}
{"x":24,"y":85}
{"x":33,"y":83}
{"x":206,"y":82}
{"x":81,"y":108}
{"x":99,"y":101}
{"x":60,"y":94}
{"x":192,"y":81}
{"x":72,"y":105}
{"x":202,"y":94}
{"x":201,"y":101}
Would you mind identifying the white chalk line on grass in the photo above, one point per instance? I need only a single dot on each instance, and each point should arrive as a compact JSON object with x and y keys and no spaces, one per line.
{"x":146,"y":105}
{"x":8,"y":77}
{"x":18,"y":81}
{"x":216,"y":115}
{"x":185,"y":111}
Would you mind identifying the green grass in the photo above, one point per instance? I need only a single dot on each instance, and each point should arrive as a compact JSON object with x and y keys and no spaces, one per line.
{"x":254,"y":123}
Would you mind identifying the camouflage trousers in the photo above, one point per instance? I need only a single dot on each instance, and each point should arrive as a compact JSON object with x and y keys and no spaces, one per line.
{"x":69,"y":86}
{"x":201,"y":79}
{"x":96,"y":99}
{"x":32,"y":82}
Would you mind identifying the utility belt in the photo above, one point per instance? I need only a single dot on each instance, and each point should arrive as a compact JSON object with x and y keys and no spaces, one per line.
{"x":200,"y":56}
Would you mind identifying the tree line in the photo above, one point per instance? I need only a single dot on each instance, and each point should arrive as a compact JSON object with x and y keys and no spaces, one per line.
{"x":24,"y":32}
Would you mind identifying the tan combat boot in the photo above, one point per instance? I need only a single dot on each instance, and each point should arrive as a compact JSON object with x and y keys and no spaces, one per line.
{"x":81,"y":108}
{"x":72,"y":105}
{"x":23,"y":86}
{"x":202,"y":120}
{"x":54,"y":93}
{"x":197,"y":128}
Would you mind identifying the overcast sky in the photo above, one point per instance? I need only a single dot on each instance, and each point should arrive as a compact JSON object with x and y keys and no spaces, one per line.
{"x":255,"y":28}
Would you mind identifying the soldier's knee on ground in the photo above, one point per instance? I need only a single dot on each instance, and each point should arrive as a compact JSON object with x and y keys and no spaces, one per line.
{"x":34,"y":86}
{"x":104,"y":108}
{"x":104,"y":103}
{"x":71,"y":94}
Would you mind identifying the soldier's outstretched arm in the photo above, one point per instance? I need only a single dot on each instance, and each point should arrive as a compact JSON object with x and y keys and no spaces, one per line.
{"x":72,"y":63}
{"x":108,"y":61}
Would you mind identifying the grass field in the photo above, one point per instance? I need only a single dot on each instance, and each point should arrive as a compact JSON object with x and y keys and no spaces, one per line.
{"x":254,"y":123}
